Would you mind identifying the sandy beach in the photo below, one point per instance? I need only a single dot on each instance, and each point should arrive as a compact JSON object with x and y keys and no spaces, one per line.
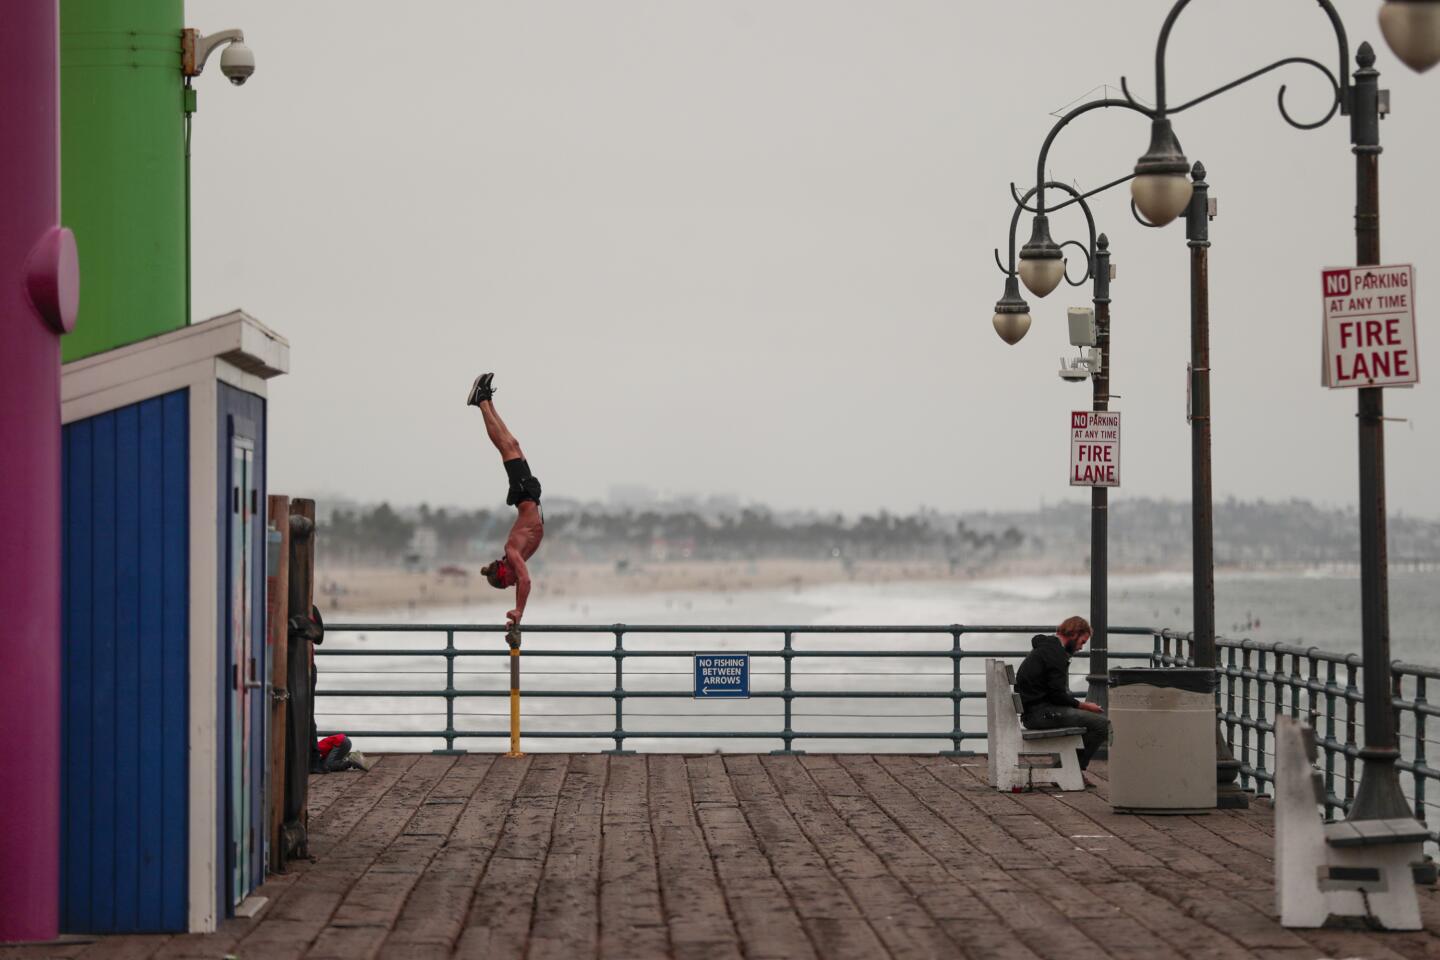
{"x":373,"y":590}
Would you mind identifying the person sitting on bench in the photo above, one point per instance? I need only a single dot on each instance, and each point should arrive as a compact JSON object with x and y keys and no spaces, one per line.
{"x":1043,"y":683}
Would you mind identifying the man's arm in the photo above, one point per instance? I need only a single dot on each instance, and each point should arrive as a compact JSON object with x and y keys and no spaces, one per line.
{"x":1058,"y":691}
{"x":522,"y":584}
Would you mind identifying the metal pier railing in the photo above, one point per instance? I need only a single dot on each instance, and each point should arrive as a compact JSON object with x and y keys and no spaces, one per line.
{"x":801,"y":670}
{"x":903,"y":686}
{"x":1262,"y":681}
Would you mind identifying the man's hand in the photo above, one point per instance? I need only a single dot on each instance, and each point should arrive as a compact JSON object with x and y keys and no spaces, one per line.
{"x":522,"y":584}
{"x":1091,"y":707}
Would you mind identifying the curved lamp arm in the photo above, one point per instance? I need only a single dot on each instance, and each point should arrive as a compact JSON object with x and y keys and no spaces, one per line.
{"x":1040,"y":182}
{"x":1009,"y":271}
{"x":1339,"y":80}
{"x":1075,"y":197}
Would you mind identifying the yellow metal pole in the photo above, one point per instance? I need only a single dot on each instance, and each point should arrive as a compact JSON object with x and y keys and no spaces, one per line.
{"x":512,"y":637}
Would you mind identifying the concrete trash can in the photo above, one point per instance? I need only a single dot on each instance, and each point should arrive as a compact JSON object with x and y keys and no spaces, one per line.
{"x":1162,"y":739}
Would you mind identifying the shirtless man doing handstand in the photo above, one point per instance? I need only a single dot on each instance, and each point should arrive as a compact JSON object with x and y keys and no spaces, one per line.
{"x":524,"y":496}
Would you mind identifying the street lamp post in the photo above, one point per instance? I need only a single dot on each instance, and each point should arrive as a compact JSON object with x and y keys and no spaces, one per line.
{"x":1202,"y":500}
{"x":1041,"y":267}
{"x":1098,"y":679}
{"x":1197,"y":237}
{"x":1378,"y":795}
{"x":1152,"y":183}
{"x":1051,"y":270}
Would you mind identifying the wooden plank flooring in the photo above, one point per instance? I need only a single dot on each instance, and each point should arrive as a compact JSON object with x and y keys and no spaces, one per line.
{"x":742,"y":857}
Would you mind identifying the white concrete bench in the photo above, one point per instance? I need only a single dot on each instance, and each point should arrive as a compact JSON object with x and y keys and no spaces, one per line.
{"x":1347,"y":868}
{"x":1021,"y":759}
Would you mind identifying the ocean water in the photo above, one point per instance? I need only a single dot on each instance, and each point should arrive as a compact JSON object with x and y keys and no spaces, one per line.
{"x":1318,"y":608}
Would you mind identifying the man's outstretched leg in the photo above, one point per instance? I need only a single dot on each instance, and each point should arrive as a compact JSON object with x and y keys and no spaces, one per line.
{"x":481,"y":394}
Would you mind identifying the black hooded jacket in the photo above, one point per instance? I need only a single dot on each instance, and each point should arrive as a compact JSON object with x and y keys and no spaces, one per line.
{"x":1044,"y":676}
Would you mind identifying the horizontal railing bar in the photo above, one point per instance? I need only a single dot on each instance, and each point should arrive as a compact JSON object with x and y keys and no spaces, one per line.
{"x":601,"y":654}
{"x":611,"y":694}
{"x":961,"y":628}
{"x":663,"y":735}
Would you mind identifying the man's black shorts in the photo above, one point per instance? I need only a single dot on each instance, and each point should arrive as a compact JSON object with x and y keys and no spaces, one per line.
{"x":523,"y":484}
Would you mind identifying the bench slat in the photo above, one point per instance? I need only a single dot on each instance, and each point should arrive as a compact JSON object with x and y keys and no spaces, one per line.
{"x":1374,"y":833}
{"x":1057,"y":732}
{"x":1407,"y":830}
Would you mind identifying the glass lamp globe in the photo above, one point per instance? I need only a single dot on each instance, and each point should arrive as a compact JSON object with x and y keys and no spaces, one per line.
{"x":1012,"y":327}
{"x":1041,"y":276}
{"x":1412,"y":29}
{"x":1161,"y":197}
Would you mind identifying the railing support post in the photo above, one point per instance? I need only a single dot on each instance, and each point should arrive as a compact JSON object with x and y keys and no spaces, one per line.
{"x":1247,"y":672}
{"x":1330,"y":688}
{"x":1258,"y":772}
{"x":618,"y":694}
{"x":788,"y":734}
{"x":1352,"y":699}
{"x":957,"y":734}
{"x":1420,"y":765}
{"x":450,"y":651}
{"x":513,"y":639}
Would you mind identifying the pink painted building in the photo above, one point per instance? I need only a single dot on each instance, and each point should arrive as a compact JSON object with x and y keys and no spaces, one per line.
{"x":39,"y":290}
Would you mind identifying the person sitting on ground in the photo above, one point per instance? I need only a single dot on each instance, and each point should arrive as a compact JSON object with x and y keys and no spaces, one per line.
{"x":524,"y":496}
{"x":334,"y":753}
{"x":1043,"y":683}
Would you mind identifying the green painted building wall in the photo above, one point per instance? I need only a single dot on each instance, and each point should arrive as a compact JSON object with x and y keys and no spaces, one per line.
{"x":123,"y":167}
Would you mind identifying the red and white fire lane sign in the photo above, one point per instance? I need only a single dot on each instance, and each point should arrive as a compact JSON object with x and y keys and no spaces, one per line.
{"x":1094,"y":448}
{"x":1369,"y":338}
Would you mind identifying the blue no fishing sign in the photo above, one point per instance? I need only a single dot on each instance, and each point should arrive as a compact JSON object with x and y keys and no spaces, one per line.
{"x":722,"y":675}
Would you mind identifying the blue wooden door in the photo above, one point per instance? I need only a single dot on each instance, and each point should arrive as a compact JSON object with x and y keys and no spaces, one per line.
{"x":245,"y":664}
{"x":242,"y":664}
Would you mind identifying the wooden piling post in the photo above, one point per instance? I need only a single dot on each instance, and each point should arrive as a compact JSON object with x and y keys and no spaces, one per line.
{"x":301,"y":742}
{"x":302,"y":556}
{"x":277,"y":636}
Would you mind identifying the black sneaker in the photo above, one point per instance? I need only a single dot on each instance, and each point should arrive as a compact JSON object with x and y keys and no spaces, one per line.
{"x":481,"y":390}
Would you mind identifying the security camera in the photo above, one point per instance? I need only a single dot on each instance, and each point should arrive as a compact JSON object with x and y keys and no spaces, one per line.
{"x":237,"y":62}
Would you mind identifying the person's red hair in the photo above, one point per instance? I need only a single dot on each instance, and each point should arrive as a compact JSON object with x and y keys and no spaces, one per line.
{"x":1072,"y":627}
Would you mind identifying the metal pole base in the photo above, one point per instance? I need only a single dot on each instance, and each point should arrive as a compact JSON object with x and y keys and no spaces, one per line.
{"x":513,"y":754}
{"x":449,"y":753}
{"x":1230,"y":797}
{"x":1378,"y":796}
{"x":787,"y":753}
{"x":618,"y":753}
{"x":1097,"y":690}
{"x":958,"y":753}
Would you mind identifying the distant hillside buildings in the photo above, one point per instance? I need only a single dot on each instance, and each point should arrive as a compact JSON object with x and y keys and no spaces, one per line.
{"x":1144,"y":534}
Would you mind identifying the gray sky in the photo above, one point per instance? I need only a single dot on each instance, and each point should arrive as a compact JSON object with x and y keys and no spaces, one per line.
{"x":745,"y":247}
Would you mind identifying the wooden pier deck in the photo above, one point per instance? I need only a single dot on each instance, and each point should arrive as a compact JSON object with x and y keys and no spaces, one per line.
{"x":712,"y":857}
